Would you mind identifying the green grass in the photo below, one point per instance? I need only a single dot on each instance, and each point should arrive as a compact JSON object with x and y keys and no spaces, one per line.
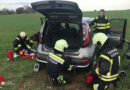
{"x":20,"y":71}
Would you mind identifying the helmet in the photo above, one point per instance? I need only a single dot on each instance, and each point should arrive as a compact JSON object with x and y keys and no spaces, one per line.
{"x":99,"y":39}
{"x":60,"y":45}
{"x":22,"y":34}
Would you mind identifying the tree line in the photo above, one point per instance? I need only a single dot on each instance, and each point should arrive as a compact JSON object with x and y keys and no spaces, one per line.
{"x":19,"y":10}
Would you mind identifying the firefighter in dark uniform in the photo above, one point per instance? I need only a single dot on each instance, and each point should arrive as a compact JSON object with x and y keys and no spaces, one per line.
{"x":58,"y":62}
{"x":107,"y":66}
{"x":35,"y":37}
{"x":22,"y":42}
{"x":101,"y":24}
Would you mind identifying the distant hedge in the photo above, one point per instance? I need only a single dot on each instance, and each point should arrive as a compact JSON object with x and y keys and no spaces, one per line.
{"x":19,"y":10}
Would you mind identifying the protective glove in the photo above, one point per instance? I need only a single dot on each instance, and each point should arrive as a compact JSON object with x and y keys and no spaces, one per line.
{"x":108,"y":35}
{"x":26,"y":52}
{"x":70,"y":68}
{"x":74,"y":67}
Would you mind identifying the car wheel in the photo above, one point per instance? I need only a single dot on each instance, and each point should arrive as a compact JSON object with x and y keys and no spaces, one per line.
{"x":36,"y":67}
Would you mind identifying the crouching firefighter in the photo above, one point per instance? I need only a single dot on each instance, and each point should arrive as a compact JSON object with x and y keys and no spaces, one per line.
{"x":107,"y":66}
{"x":57,"y":63}
{"x":22,"y":42}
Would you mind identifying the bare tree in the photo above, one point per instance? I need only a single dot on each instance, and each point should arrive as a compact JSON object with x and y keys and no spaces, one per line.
{"x":12,"y":12}
{"x":27,"y":9}
{"x":20,"y":10}
{"x":5,"y":11}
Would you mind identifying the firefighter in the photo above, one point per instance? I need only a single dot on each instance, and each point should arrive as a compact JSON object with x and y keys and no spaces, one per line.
{"x":101,"y":24}
{"x":107,"y":66}
{"x":35,"y":37}
{"x":58,"y":62}
{"x":22,"y":42}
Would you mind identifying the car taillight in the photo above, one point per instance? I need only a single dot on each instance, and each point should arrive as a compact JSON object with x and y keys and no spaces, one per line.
{"x":37,"y":55}
{"x":41,"y":34}
{"x":40,"y":37}
{"x":85,"y":36}
{"x":84,"y":32}
{"x":85,"y":62}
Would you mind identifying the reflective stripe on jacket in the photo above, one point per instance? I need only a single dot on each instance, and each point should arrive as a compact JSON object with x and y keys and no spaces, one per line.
{"x":101,"y":25}
{"x":55,"y":60}
{"x":53,"y":57}
{"x":113,"y":58}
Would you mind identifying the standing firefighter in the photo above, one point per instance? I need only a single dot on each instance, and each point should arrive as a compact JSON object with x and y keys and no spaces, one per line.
{"x":107,"y":66}
{"x":101,"y":24}
{"x":58,"y":62}
{"x":22,"y":42}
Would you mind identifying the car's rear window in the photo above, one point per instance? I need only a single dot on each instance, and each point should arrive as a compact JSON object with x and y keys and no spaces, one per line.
{"x":70,"y":25}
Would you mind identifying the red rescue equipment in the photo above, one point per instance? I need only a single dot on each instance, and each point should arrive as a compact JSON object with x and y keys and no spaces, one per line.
{"x":10,"y":55}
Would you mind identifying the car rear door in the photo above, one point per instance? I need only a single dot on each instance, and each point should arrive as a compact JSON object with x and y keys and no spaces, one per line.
{"x":118,"y":31}
{"x":60,"y":11}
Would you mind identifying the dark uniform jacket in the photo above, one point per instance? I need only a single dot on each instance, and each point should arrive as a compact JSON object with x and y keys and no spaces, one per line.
{"x":109,"y":62}
{"x":20,"y":44}
{"x":57,"y":63}
{"x":100,"y":24}
{"x":35,"y":37}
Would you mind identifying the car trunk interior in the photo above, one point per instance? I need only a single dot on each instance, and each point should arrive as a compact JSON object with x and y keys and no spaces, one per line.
{"x":61,"y":11}
{"x":70,"y":32}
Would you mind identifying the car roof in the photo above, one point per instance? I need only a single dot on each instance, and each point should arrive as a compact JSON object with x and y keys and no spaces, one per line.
{"x":87,"y":19}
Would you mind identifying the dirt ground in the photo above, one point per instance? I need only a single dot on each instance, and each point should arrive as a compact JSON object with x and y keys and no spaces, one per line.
{"x":79,"y":82}
{"x":42,"y":77}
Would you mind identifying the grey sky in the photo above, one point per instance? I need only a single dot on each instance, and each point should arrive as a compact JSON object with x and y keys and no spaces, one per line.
{"x":83,"y":4}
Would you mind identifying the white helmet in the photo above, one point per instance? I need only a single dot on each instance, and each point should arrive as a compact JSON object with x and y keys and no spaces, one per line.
{"x":22,"y":34}
{"x":60,"y":45}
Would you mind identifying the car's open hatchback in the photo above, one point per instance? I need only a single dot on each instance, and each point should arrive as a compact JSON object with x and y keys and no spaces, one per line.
{"x":64,"y":11}
{"x":64,"y":21}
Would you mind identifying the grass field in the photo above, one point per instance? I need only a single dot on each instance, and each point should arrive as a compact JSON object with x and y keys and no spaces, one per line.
{"x":19,"y":73}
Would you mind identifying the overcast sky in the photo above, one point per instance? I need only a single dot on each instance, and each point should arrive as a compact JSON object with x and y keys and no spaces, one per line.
{"x":85,"y":5}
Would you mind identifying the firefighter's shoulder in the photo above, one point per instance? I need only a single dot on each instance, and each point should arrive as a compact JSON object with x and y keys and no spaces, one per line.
{"x":97,"y":17}
{"x":106,"y":17}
